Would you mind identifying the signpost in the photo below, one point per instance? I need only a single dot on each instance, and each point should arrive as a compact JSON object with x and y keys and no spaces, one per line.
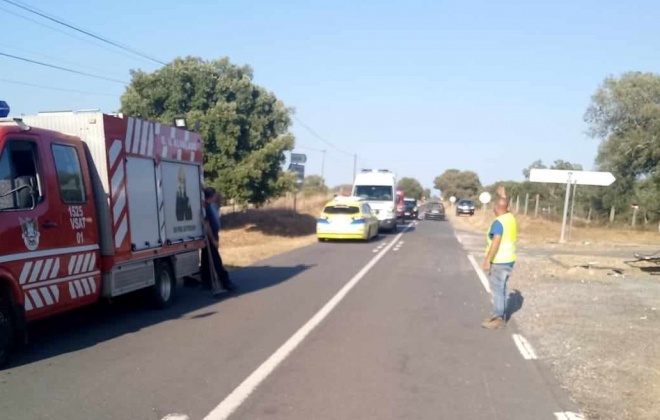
{"x":484,"y":198}
{"x":574,"y":178}
{"x":297,"y":165}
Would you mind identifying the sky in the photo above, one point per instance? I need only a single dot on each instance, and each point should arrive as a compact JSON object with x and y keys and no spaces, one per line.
{"x":414,"y":86}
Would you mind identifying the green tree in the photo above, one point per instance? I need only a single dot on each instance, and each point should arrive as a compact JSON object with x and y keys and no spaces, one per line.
{"x":625,"y":115}
{"x":411,"y":187}
{"x":461,"y":184}
{"x":244,"y":127}
{"x":427,"y":193}
{"x":314,"y":184}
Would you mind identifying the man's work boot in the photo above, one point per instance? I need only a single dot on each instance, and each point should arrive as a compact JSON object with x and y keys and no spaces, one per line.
{"x":494,"y":323}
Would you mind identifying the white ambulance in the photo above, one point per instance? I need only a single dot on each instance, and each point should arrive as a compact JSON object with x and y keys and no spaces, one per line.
{"x":378,"y":188}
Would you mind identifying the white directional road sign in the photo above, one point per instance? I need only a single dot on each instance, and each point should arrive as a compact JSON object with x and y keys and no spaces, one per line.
{"x":484,"y":197}
{"x":558,"y":176}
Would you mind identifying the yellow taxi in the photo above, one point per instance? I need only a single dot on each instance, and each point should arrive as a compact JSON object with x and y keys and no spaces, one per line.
{"x":347,"y":218}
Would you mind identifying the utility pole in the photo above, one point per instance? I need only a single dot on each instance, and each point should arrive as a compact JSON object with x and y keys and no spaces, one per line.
{"x":354,"y":166}
{"x":323,"y":165}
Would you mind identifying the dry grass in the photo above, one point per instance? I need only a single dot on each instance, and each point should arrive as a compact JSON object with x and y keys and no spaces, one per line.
{"x":541,"y":231}
{"x":257,"y":234}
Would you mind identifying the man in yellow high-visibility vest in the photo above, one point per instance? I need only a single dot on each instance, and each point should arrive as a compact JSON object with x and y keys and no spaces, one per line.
{"x":500,"y":258}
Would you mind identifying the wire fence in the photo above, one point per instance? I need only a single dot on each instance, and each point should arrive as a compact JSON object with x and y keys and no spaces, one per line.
{"x":582,"y":211}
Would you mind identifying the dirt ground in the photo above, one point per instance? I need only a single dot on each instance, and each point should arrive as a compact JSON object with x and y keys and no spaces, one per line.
{"x":257,"y":234}
{"x":591,"y":316}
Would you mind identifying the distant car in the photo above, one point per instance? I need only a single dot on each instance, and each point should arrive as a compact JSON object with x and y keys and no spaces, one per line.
{"x":465,"y":207}
{"x":410,"y":211}
{"x":347,"y":218}
{"x":434,"y":211}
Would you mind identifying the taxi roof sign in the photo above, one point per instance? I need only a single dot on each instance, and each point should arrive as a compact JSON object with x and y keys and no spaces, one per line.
{"x":4,"y":109}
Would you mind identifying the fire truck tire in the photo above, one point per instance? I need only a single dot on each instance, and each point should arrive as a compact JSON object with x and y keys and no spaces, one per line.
{"x":7,"y":332}
{"x":164,"y":290}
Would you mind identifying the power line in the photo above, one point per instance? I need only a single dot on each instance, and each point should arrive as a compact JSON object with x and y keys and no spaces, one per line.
{"x":50,"y":57}
{"x":53,"y":66}
{"x":83,"y":31}
{"x":16,"y":82}
{"x":79,"y":38}
{"x":318,"y":136}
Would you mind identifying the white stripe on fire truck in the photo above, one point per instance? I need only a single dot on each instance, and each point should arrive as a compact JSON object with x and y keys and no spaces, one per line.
{"x":120,"y":234}
{"x":129,"y":133}
{"x":92,"y":284}
{"x":179,"y":152}
{"x":146,"y":127}
{"x":28,"y":303}
{"x":60,"y":280}
{"x":120,"y":204}
{"x":136,"y":136}
{"x":118,"y":178}
{"x":46,"y":295}
{"x":36,"y":271}
{"x":86,"y":286}
{"x":86,"y":262}
{"x":79,"y":262}
{"x":56,"y":292}
{"x":72,"y":291}
{"x":115,"y":149}
{"x":36,"y":299}
{"x":78,"y":287}
{"x":164,"y":153}
{"x":56,"y":269}
{"x":46,"y":271}
{"x":92,"y":263}
{"x":150,"y":143}
{"x":47,"y":253}
{"x":26,"y":272}
{"x":72,"y":264}
{"x":192,"y":155}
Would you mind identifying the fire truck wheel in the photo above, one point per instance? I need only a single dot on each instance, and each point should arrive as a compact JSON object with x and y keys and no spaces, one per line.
{"x":164,"y":290}
{"x":6,"y":330}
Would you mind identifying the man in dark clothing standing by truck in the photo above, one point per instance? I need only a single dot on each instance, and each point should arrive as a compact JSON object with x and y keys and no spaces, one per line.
{"x":212,"y":224}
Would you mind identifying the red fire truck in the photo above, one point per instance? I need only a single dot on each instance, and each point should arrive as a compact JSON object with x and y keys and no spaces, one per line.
{"x":93,"y":205}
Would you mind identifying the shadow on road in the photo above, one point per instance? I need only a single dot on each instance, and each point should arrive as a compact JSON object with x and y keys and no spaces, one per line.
{"x":514,"y":303}
{"x":93,"y":325}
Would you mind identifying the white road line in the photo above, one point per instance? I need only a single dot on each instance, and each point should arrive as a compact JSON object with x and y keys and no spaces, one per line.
{"x":567,"y":415}
{"x":243,"y":391}
{"x":524,"y":347}
{"x":460,"y":241}
{"x":176,"y":417}
{"x":480,"y":273}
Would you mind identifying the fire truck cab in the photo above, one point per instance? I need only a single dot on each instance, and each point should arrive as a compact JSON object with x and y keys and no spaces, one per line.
{"x":93,"y":205}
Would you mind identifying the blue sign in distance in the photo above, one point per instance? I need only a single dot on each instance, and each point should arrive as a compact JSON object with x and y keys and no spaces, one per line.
{"x":4,"y":109}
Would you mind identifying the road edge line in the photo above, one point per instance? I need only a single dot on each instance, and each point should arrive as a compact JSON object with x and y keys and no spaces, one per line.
{"x":524,"y":347}
{"x":241,"y":393}
{"x":480,"y":273}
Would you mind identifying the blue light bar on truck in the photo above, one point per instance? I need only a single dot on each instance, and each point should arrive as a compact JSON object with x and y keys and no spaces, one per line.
{"x":4,"y":109}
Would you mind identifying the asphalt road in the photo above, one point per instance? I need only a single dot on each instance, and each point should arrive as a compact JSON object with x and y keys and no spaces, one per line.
{"x":403,"y":341}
